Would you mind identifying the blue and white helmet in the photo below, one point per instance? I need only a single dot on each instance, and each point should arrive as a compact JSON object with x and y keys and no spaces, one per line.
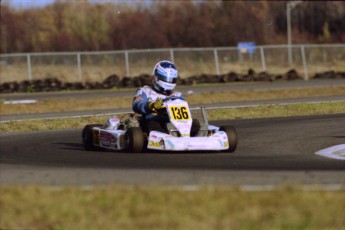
{"x":165,"y":77}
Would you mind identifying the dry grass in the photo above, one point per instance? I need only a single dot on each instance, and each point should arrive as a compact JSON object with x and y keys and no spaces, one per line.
{"x":49,"y":124}
{"x":147,"y":207}
{"x":264,"y":94}
{"x":219,"y":114}
{"x":61,"y":105}
{"x":302,"y":109}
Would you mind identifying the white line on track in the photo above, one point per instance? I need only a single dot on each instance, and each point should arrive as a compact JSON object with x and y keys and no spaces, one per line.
{"x":334,"y":152}
{"x":20,"y":102}
{"x":244,"y":188}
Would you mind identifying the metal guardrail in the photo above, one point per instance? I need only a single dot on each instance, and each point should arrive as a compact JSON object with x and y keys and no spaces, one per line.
{"x":97,"y":65}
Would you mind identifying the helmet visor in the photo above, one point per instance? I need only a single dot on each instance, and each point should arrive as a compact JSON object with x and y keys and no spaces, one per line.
{"x":166,"y":79}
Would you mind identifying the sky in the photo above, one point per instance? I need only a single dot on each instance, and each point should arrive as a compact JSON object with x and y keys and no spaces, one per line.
{"x":24,"y":4}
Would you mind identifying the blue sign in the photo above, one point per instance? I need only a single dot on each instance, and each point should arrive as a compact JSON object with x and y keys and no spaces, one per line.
{"x":246,"y":47}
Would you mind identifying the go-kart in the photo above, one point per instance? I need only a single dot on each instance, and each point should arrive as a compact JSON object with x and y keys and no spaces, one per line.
{"x":130,"y":135}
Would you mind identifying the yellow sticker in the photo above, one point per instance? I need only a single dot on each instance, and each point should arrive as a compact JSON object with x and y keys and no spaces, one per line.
{"x":180,"y":113}
{"x":154,"y":144}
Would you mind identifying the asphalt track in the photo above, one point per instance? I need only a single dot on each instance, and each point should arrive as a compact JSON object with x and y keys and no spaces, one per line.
{"x":271,"y":151}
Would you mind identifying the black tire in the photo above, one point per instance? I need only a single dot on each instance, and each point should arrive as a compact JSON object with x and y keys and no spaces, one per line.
{"x":154,"y":126}
{"x":134,"y":139}
{"x":87,"y":137}
{"x":232,"y":137}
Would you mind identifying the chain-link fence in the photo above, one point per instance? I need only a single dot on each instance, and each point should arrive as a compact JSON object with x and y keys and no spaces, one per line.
{"x":96,"y":66}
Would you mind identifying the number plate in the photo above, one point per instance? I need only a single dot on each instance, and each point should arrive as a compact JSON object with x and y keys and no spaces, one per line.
{"x":179,"y":113}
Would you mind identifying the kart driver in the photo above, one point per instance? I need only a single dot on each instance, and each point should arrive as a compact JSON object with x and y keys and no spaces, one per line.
{"x":149,"y":99}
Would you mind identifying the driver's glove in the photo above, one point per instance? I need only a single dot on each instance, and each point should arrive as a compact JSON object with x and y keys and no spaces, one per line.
{"x":158,"y":104}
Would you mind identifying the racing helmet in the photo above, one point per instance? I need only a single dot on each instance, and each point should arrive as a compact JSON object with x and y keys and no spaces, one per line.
{"x":165,"y":77}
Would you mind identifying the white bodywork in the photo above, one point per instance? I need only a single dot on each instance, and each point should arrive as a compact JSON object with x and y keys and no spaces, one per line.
{"x":181,"y":118}
{"x":109,"y":136}
{"x":163,"y":141}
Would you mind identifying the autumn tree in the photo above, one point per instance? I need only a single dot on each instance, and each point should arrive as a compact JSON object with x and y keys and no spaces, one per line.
{"x":85,"y":26}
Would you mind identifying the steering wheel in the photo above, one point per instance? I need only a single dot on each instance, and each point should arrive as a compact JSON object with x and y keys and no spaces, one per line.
{"x":171,"y":98}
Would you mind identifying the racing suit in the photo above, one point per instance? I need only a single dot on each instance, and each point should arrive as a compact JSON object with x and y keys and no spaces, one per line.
{"x":140,"y":103}
{"x":145,"y":95}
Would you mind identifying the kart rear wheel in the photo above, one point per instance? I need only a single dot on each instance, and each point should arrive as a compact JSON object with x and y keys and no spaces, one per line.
{"x":232,"y":137}
{"x":87,"y":137}
{"x":134,"y":139}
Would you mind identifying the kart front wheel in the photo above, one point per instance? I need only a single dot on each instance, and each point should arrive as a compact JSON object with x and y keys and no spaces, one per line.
{"x":134,"y":139}
{"x":232,"y":137}
{"x":87,"y":136}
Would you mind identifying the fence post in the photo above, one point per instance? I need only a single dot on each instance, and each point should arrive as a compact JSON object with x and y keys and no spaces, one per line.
{"x":127,"y":64}
{"x":304,"y":64}
{"x":263,"y":61}
{"x":79,"y":67}
{"x":216,"y":61}
{"x":172,"y":58}
{"x":28,"y":58}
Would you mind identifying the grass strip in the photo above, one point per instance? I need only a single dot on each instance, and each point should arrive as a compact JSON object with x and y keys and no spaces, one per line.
{"x":300,"y":109}
{"x":219,"y":114}
{"x":151,"y":207}
{"x":68,"y":104}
